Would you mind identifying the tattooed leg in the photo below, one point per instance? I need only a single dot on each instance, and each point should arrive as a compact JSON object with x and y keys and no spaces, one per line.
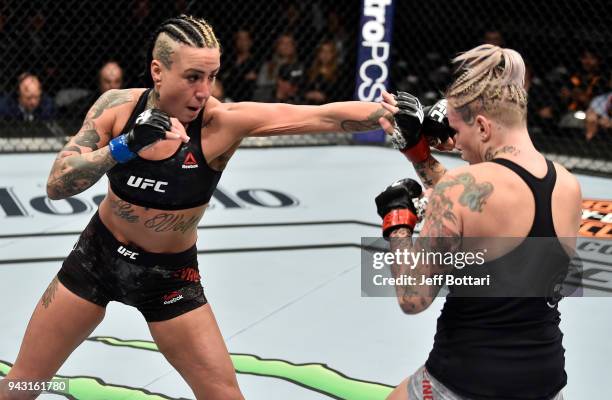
{"x":49,"y":294}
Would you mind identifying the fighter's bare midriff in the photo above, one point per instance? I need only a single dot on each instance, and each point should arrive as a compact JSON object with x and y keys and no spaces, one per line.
{"x":156,"y":231}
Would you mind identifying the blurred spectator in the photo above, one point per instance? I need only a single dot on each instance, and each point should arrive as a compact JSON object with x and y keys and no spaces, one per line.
{"x":322,"y":81}
{"x":141,"y":18}
{"x":75,"y":102}
{"x":598,"y":117}
{"x":584,"y":84}
{"x":297,"y":17}
{"x":291,"y":21}
{"x":284,"y":53}
{"x":9,"y":51}
{"x":494,"y":37}
{"x":34,"y":38}
{"x":337,"y":33}
{"x":110,"y":76}
{"x":28,"y":104}
{"x":240,"y":71}
{"x":290,"y":77}
{"x":36,"y":46}
{"x":540,"y":111}
{"x":219,"y":93}
{"x":181,"y":6}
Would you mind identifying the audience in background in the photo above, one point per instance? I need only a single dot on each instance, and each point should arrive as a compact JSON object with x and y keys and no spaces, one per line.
{"x":578,"y":100}
{"x":218,"y":92}
{"x":29,"y":103}
{"x":288,"y":83}
{"x":598,"y":118}
{"x":540,"y":109}
{"x":74,"y":103}
{"x":337,"y":33}
{"x":322,"y":80}
{"x":285,"y":52}
{"x":494,"y":37}
{"x":110,"y":76}
{"x":239,"y":72}
{"x":585,"y":83}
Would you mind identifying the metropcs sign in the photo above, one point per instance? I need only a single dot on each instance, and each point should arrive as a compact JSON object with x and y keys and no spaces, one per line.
{"x":373,"y":62}
{"x":12,"y":205}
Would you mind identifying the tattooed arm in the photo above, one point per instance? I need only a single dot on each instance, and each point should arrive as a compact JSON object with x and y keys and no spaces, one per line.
{"x":86,"y":157}
{"x":268,"y":119}
{"x":441,"y":233}
{"x":430,"y":171}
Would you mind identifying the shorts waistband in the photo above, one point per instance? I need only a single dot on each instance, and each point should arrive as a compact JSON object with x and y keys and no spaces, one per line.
{"x":139,"y":256}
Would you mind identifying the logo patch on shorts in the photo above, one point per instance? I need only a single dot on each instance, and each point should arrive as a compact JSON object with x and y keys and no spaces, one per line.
{"x":127,"y":253}
{"x":172,"y":297}
{"x":188,"y":274}
{"x":190,"y":162}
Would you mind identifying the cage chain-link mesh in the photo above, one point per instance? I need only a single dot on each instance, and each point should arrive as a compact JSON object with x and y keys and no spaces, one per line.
{"x":304,"y":52}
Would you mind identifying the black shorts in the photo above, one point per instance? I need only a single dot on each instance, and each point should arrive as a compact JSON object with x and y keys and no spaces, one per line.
{"x":160,"y":285}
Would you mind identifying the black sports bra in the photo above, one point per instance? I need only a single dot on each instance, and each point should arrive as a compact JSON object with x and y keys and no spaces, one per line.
{"x":183,"y":180}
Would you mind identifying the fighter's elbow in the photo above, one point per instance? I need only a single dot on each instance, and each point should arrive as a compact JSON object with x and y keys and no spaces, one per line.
{"x":414,"y":304}
{"x":54,"y":189}
{"x":53,"y":193}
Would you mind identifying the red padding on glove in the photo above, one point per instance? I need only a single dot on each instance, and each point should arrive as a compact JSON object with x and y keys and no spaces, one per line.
{"x":419,"y":152}
{"x":398,"y":218}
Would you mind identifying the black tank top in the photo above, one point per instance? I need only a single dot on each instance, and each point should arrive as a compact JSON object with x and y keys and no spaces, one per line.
{"x":506,"y":348}
{"x":183,"y":180}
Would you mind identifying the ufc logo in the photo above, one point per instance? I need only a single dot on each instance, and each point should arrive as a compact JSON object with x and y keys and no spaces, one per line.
{"x":127,"y":253}
{"x":144,"y":183}
{"x":144,"y":116}
{"x":438,"y":111}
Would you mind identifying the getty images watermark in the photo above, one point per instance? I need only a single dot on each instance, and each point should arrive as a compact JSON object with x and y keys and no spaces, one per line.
{"x":412,"y":258}
{"x":475,"y":267}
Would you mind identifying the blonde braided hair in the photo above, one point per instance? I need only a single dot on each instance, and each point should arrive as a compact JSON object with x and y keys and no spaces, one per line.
{"x":491,"y":81}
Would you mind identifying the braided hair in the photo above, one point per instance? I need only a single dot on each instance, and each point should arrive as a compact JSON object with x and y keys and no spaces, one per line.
{"x":490,"y":79}
{"x":185,"y":29}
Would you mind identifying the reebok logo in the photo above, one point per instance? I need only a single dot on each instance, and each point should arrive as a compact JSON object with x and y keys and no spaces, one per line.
{"x":127,"y":253}
{"x":172,"y":297}
{"x":190,"y":162}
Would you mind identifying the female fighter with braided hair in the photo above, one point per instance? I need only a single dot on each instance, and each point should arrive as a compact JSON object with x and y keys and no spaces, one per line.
{"x":164,"y":149}
{"x":501,"y":346}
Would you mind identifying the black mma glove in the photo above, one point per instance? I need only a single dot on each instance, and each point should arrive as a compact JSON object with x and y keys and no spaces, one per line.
{"x":407,"y":136}
{"x":151,"y":126}
{"x":435,"y":124}
{"x":396,"y":205}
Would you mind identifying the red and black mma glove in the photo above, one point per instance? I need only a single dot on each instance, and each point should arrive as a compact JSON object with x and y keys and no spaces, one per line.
{"x":407,"y":136}
{"x":435,"y":123}
{"x":395,"y":205}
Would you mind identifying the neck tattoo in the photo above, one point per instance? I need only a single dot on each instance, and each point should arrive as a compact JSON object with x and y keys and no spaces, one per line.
{"x":491,"y":154}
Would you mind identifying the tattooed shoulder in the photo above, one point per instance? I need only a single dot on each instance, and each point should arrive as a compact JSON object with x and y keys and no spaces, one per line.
{"x":442,"y":214}
{"x":110,"y":99}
